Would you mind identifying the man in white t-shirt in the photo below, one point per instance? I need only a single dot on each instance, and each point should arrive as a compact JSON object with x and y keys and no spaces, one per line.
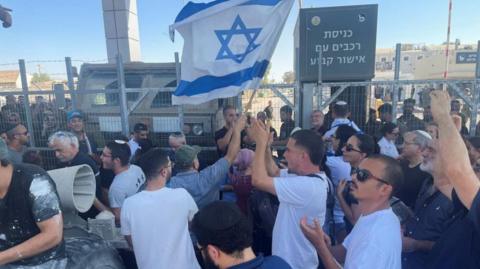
{"x":140,"y":131}
{"x":128,"y":178}
{"x":155,"y":220}
{"x":302,"y":191}
{"x":375,"y":241}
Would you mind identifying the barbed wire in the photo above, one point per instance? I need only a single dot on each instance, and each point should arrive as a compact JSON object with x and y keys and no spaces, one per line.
{"x":7,"y":64}
{"x":92,"y":61}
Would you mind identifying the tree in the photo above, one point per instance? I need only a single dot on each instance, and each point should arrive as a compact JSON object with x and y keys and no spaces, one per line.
{"x":40,"y":77}
{"x":288,"y":77}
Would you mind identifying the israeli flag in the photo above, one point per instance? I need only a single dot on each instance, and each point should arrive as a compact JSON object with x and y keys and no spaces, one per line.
{"x":227,"y":46}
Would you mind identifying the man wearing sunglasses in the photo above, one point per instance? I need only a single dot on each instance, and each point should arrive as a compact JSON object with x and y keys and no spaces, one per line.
{"x":375,"y":240}
{"x":18,"y":137}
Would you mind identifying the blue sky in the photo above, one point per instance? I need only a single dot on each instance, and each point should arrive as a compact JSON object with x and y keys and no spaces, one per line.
{"x":53,"y":29}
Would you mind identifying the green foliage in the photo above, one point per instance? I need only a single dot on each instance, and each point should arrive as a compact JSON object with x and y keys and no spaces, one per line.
{"x":40,"y":77}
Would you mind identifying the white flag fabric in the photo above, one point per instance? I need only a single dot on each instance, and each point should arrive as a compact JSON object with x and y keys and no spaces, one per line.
{"x":227,"y":46}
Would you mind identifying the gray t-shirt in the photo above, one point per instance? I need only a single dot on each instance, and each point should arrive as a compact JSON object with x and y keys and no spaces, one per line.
{"x":16,"y":157}
{"x":125,"y":185}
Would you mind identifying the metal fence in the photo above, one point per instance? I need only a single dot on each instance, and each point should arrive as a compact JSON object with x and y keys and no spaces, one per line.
{"x":112,"y":107}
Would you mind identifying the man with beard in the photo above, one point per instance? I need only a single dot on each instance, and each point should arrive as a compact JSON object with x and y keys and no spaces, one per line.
{"x":224,"y":237}
{"x":433,"y":214}
{"x":155,"y":221}
{"x":302,"y":191}
{"x":375,"y":240}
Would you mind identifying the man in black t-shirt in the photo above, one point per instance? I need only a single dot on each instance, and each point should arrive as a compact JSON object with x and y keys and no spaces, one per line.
{"x":285,"y":130}
{"x":65,"y":145}
{"x":224,"y":135}
{"x":414,"y":143}
{"x":31,"y":224}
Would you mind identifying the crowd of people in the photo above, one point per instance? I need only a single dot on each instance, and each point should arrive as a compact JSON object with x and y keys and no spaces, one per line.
{"x":394,"y":195}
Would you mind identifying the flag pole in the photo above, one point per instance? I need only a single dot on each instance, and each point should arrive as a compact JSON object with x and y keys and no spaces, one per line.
{"x":447,"y":47}
{"x":249,"y":104}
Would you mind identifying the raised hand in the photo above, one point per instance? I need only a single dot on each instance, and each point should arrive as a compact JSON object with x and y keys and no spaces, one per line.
{"x":240,"y":123}
{"x":314,"y":233}
{"x":440,"y":105}
{"x":259,"y":133}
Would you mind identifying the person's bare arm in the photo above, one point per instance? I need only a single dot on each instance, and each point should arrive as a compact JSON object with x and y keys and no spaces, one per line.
{"x":99,"y":205}
{"x":234,"y":146}
{"x":51,"y":234}
{"x":117,"y":212}
{"x":322,"y":243}
{"x":409,"y":244}
{"x":260,"y":178}
{"x":272,"y":168}
{"x":453,"y":152}
{"x":128,"y":238}
{"x":224,"y":141}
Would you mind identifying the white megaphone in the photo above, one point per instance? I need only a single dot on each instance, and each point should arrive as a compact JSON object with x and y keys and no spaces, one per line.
{"x":76,"y":187}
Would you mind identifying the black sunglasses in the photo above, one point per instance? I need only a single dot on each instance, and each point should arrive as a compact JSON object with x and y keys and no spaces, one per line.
{"x":349,"y":147}
{"x":363,"y":175}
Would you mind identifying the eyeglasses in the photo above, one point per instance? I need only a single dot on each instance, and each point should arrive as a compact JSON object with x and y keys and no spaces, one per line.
{"x":24,"y":133}
{"x":409,"y":143}
{"x":364,"y":174}
{"x":395,"y":133}
{"x":349,"y":147}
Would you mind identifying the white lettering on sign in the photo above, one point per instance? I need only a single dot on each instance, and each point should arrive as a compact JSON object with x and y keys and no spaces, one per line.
{"x":327,"y":61}
{"x":346,"y":46}
{"x":324,"y":47}
{"x":337,"y":33}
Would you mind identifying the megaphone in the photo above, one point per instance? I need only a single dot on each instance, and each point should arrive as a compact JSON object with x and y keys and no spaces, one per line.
{"x":76,"y":187}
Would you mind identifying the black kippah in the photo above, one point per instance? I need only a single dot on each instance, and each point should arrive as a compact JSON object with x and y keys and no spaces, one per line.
{"x":217,"y":216}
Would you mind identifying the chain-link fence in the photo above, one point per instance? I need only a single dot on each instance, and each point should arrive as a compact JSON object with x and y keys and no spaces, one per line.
{"x":97,"y":88}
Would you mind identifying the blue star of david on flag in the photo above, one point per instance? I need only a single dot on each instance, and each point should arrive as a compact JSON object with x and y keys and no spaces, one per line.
{"x":238,"y":28}
{"x":243,"y":35}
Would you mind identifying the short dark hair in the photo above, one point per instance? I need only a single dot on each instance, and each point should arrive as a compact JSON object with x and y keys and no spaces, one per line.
{"x":223,"y":225}
{"x":140,"y":127}
{"x":10,"y":129}
{"x":367,"y":144}
{"x":226,"y":108}
{"x":409,"y":101}
{"x":312,"y":143}
{"x":343,"y":133}
{"x":152,"y":161}
{"x":392,"y":173}
{"x":387,"y":128}
{"x":287,"y":109}
{"x":144,"y":146}
{"x":385,"y":108}
{"x":341,"y":110}
{"x":120,"y":151}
